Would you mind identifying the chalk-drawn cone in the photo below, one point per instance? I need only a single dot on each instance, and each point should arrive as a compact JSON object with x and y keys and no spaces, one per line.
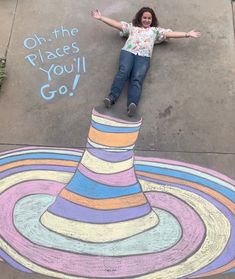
{"x":104,"y":200}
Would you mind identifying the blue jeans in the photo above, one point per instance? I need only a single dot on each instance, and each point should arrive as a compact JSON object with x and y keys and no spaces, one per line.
{"x":133,"y":68}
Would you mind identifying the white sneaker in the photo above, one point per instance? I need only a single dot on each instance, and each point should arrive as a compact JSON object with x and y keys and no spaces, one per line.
{"x":131,"y":109}
{"x":107,"y":103}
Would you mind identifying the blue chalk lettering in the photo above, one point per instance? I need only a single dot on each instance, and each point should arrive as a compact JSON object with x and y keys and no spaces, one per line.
{"x":40,"y":55}
{"x":50,"y":55}
{"x":78,"y":64}
{"x":57,"y":52}
{"x":69,"y":71}
{"x":48,"y":72}
{"x":84,"y":64}
{"x":30,"y":43}
{"x":47,"y":95}
{"x":74,"y":31}
{"x":64,"y":31}
{"x":75,"y":82}
{"x":63,"y":90}
{"x":31,"y":58}
{"x":65,"y":48}
{"x":75,"y":47}
{"x":60,"y":68}
{"x":55,"y":32}
{"x":40,"y":40}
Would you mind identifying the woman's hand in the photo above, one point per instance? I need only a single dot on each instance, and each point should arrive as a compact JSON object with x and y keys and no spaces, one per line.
{"x":193,"y":34}
{"x":96,"y":14}
{"x":109,"y":21}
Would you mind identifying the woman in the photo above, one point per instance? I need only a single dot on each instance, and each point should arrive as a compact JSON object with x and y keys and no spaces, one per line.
{"x":134,"y":59}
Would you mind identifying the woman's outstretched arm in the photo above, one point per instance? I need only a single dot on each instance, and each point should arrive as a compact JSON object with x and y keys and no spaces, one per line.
{"x":109,"y":21}
{"x":190,"y":34}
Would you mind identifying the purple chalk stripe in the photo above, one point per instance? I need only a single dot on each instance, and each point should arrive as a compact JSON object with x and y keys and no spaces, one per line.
{"x":36,"y":167}
{"x":72,"y":211}
{"x":190,"y":166}
{"x":109,"y":267}
{"x":228,"y":253}
{"x":94,"y":112}
{"x":109,"y":156}
{"x":13,"y":263}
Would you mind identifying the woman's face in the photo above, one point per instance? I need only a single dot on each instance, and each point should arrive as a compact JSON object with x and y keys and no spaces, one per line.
{"x":146,"y":19}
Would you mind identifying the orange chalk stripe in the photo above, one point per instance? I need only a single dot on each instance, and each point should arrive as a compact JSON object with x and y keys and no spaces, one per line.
{"x":105,"y":204}
{"x":209,"y":191}
{"x":38,"y":162}
{"x":112,"y":139}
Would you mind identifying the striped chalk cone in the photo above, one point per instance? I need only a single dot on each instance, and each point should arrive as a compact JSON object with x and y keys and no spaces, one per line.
{"x":103,"y":201}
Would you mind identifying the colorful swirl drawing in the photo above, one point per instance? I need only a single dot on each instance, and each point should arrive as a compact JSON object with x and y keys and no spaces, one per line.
{"x":104,"y":213}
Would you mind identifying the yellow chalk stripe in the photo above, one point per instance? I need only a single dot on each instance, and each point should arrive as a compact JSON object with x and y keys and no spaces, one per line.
{"x":62,"y":177}
{"x":219,"y":197}
{"x":112,"y":139}
{"x":114,"y":123}
{"x":99,"y":232}
{"x":217,"y":233}
{"x":99,"y":166}
{"x":188,"y":170}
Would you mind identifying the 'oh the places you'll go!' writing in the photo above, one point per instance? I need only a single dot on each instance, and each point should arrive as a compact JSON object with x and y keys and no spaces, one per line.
{"x":60,"y":60}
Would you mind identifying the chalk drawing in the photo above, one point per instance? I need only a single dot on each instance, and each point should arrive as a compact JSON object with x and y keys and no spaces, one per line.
{"x":104,"y":213}
{"x":50,"y":62}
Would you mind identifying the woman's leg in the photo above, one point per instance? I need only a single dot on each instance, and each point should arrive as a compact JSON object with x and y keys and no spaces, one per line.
{"x":126,"y":61}
{"x":140,"y":68}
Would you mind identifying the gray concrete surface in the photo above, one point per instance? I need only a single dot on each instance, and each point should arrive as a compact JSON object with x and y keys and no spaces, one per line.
{"x":188,"y":94}
{"x":10,"y":273}
{"x":6,"y":23}
{"x":233,"y":14}
{"x":188,"y":99}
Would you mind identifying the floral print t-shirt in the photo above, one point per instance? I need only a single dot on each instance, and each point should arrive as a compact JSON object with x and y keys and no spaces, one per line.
{"x":141,"y":40}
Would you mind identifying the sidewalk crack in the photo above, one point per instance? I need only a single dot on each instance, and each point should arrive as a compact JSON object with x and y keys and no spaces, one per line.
{"x":12,"y":25}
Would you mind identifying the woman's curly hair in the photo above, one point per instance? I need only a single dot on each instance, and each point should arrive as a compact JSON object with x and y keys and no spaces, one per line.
{"x":137,"y":19}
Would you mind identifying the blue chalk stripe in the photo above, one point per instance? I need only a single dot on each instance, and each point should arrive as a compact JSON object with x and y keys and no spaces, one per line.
{"x":34,"y":156}
{"x":111,"y":129}
{"x":84,"y":186}
{"x":189,"y":177}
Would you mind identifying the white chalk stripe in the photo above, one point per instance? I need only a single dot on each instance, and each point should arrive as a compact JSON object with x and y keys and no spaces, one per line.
{"x":217,"y":233}
{"x":114,"y":123}
{"x":100,"y":166}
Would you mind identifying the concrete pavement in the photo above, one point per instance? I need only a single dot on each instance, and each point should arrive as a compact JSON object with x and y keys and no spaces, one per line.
{"x":61,"y":62}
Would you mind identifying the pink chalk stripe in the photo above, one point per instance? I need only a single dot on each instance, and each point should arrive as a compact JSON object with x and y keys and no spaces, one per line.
{"x":124,"y":178}
{"x":99,"y":266}
{"x":94,"y":112}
